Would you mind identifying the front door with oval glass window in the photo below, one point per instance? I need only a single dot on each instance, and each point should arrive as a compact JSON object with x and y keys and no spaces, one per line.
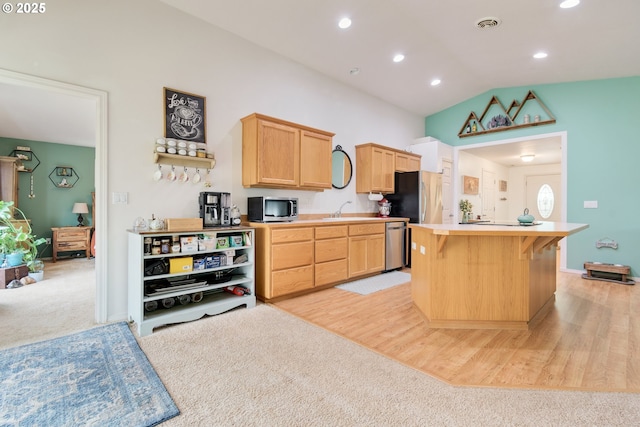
{"x":543,"y":197}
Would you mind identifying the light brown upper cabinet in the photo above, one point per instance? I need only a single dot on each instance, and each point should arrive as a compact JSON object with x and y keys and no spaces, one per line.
{"x":376,"y":164}
{"x":281,"y":154}
{"x":407,"y":162}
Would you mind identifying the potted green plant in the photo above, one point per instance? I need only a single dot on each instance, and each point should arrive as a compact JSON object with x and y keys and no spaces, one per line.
{"x":465,"y":207}
{"x":17,"y":243}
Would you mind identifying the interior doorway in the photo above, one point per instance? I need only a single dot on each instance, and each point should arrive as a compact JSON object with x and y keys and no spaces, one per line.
{"x":98,"y":98}
{"x":488,"y":195}
{"x":447,"y":193}
{"x":548,"y":148}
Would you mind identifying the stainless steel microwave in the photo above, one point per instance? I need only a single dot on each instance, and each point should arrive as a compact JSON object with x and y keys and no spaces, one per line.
{"x":272,"y":209}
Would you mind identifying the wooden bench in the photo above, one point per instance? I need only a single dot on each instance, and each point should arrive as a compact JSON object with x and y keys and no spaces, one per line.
{"x":610,"y":272}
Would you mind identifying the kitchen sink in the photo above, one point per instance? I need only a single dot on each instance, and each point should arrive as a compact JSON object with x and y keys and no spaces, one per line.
{"x":352,"y":218}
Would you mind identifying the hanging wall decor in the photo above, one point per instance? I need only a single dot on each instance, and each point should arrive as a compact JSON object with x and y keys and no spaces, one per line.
{"x":63,"y":177}
{"x":470,"y":184}
{"x":496,"y":118}
{"x":184,"y":116}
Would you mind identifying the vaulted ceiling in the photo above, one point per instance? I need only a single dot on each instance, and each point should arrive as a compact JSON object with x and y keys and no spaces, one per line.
{"x":439,"y":39}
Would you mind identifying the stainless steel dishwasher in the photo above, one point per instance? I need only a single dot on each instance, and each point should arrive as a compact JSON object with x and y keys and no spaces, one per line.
{"x":395,"y":245}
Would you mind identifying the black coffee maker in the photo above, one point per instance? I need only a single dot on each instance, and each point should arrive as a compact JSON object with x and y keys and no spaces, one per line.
{"x":215,"y":209}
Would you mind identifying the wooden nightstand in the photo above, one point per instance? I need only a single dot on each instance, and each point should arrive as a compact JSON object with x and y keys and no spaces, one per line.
{"x":66,"y":239}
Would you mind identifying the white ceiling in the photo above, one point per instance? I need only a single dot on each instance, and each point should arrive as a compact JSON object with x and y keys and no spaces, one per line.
{"x":597,"y":39}
{"x":546,"y":151}
{"x":594,"y":40}
{"x":50,"y":116}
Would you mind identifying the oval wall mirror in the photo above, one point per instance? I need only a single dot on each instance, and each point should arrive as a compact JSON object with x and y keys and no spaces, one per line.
{"x":341,"y":168}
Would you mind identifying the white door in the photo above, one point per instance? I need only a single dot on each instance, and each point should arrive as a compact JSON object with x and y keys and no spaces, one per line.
{"x":543,"y":197}
{"x":488,"y":195}
{"x":447,"y":196}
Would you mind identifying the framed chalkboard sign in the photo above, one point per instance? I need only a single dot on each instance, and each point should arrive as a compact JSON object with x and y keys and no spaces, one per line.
{"x":184,"y":115}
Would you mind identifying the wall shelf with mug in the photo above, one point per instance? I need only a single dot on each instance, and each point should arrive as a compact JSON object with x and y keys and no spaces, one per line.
{"x":185,"y":161}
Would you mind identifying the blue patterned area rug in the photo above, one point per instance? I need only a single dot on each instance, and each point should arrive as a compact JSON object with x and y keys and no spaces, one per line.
{"x":376,"y":283}
{"x":98,"y":377}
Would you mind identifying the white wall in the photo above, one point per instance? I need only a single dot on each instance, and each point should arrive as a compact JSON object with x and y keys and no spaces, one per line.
{"x":133,"y":49}
{"x":517,"y":181}
{"x":471,"y":165}
{"x":432,"y":152}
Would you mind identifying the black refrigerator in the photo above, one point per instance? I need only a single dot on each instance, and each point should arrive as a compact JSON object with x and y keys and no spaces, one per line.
{"x":417,"y":196}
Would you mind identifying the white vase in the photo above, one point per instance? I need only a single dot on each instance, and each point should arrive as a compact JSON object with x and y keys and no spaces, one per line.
{"x":37,"y":276}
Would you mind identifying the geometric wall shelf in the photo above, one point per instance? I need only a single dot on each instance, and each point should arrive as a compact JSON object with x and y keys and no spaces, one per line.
{"x":26,"y":156}
{"x":64,"y":177}
{"x":515,"y":117}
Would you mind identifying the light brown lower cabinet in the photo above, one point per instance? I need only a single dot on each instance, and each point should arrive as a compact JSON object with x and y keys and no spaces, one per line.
{"x":292,"y":260}
{"x":366,"y":251}
{"x":332,"y":250}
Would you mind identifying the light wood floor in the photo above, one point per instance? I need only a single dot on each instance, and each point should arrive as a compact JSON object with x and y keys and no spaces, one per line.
{"x":590,"y":340}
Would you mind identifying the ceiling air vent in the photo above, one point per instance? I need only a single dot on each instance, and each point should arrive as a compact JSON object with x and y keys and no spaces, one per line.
{"x":487,"y":23}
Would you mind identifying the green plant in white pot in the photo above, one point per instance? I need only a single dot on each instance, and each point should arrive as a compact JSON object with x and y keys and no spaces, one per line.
{"x":465,"y":207}
{"x":17,"y":243}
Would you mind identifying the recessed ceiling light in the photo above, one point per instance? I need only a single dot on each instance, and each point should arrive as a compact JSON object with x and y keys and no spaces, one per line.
{"x":398,"y":58}
{"x":540,"y":55}
{"x":527,"y":157}
{"x":435,"y":82}
{"x":344,"y":23}
{"x":569,"y":3}
{"x":354,"y":71}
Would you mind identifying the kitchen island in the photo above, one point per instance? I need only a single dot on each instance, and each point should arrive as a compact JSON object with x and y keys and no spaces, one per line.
{"x":485,"y":275}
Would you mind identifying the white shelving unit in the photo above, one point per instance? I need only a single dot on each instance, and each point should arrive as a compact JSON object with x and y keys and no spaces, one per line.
{"x":214,"y":299}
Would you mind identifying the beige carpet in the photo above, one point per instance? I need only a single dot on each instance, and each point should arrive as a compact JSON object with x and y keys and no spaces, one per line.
{"x":263,"y":367}
{"x":62,"y":303}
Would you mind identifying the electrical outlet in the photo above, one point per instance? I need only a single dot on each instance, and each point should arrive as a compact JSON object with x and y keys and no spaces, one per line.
{"x":48,"y":240}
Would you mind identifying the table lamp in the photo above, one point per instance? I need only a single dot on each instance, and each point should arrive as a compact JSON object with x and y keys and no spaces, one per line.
{"x":80,"y":208}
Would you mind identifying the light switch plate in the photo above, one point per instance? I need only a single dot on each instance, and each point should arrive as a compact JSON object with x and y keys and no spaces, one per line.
{"x":119,"y":198}
{"x":413,"y":245}
{"x":422,"y":250}
{"x":590,"y":204}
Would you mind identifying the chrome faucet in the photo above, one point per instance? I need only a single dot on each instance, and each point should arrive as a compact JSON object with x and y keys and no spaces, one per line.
{"x":338,"y":213}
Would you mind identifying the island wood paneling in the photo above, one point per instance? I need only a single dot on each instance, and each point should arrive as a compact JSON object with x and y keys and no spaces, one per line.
{"x":485,"y":276}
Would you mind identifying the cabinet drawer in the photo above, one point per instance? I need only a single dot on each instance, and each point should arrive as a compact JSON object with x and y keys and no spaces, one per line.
{"x":64,"y":236}
{"x":291,"y":280}
{"x":71,"y":246}
{"x":288,"y":255}
{"x":331,"y":249}
{"x":331,"y":272}
{"x":331,"y":232}
{"x":286,"y":235}
{"x":363,"y":229}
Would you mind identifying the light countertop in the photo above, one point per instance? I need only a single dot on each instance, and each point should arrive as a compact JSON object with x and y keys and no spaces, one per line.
{"x":328,"y":221}
{"x":543,"y":228}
